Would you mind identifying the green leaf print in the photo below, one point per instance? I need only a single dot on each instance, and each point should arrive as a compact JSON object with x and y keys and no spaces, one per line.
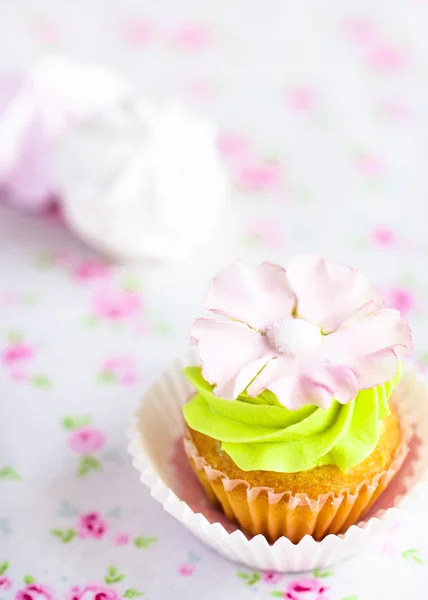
{"x":29,"y":300}
{"x":254,"y":578}
{"x":144,"y":543}
{"x":413,"y":554}
{"x":87,"y":464}
{"x":29,"y":579}
{"x":4,"y":567}
{"x":132,"y":593}
{"x":42,"y":382}
{"x":9,"y":473}
{"x":14,"y":336}
{"x":131,"y":283}
{"x":106,"y":377}
{"x":250,"y":578}
{"x":352,"y":597}
{"x":164,"y":328}
{"x":91,"y":321}
{"x":75,"y":422}
{"x":318,"y":574}
{"x":65,"y":536}
{"x":277,"y":594}
{"x":113,"y":575}
{"x":43,"y":260}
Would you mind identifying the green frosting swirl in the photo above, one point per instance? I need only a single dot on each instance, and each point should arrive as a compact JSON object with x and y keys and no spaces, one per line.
{"x":261,"y":434}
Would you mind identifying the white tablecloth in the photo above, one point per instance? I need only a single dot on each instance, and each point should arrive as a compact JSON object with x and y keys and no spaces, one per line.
{"x":323,"y":115}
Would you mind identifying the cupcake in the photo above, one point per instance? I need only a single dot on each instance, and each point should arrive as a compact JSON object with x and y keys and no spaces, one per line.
{"x":292,"y":429}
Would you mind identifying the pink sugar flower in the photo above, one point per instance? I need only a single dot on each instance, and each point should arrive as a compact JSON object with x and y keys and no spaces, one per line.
{"x":91,"y":525}
{"x":35,"y":591}
{"x":86,"y":440}
{"x":115,"y":305}
{"x":306,"y":589}
{"x":311,"y":334}
{"x":17,"y":352}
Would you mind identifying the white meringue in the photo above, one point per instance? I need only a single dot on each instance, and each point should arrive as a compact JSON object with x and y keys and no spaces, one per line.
{"x":142,"y":181}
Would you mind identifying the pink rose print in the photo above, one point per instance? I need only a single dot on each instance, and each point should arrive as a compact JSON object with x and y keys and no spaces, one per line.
{"x":186,"y":570}
{"x":93,"y":592}
{"x":301,"y":98}
{"x":388,"y":548}
{"x":91,"y":525}
{"x":53,"y":213}
{"x":370,"y":166}
{"x":5,"y":583}
{"x":136,"y":31}
{"x":200,"y":89}
{"x":232,"y":145}
{"x":35,"y":591}
{"x":306,"y":589}
{"x":192,"y":37}
{"x":383,"y":237}
{"x":91,"y":269}
{"x":258,"y":176}
{"x":121,"y":539}
{"x":360,"y":30}
{"x":115,"y":305}
{"x":400,"y":298}
{"x":271,"y":577}
{"x":123,"y":370}
{"x":387,"y":58}
{"x":268,"y":233}
{"x":86,"y":440}
{"x":9,"y":298}
{"x":17,"y":352}
{"x":46,"y":30}
{"x":396,"y":110}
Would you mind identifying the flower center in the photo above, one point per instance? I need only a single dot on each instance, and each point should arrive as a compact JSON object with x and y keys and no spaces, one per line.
{"x":293,"y":336}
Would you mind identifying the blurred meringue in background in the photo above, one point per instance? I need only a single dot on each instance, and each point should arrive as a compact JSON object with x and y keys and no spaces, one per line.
{"x":143,"y":181}
{"x":36,"y":111}
{"x":136,"y":179}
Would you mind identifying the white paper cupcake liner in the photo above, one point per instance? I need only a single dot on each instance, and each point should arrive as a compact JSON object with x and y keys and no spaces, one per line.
{"x":155,"y":439}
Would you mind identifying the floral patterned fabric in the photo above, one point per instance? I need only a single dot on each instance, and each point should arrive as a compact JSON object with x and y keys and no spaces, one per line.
{"x":322,"y":111}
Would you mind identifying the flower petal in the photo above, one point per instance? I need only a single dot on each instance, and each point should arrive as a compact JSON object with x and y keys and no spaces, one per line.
{"x":256,"y":296}
{"x":316,"y":384}
{"x":231,"y":354}
{"x":370,"y":345}
{"x":277,"y":367}
{"x":375,"y":369}
{"x":328,"y":293}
